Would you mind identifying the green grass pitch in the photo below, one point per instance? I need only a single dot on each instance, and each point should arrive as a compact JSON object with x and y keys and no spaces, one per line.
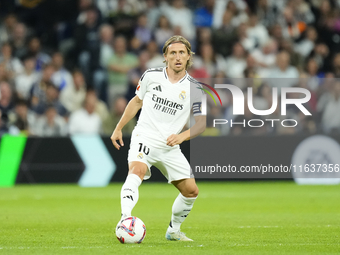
{"x":228,"y":218}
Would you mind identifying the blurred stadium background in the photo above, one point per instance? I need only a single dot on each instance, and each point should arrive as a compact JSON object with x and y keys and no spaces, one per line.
{"x":69,"y":67}
{"x":67,"y":63}
{"x":67,"y":71}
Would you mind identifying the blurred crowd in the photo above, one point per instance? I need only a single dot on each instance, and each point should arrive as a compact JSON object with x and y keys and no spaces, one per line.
{"x":71,"y":66}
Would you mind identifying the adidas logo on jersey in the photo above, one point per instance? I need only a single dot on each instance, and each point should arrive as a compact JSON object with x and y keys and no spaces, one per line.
{"x":158,"y":88}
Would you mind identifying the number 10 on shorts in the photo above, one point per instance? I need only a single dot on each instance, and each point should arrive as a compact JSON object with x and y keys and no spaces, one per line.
{"x":145,"y":149}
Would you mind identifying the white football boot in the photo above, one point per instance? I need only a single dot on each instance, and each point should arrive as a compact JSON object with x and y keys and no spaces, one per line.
{"x":177,"y":236}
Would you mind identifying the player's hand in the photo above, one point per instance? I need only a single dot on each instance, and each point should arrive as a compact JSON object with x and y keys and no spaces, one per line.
{"x":117,"y":135}
{"x":174,"y":140}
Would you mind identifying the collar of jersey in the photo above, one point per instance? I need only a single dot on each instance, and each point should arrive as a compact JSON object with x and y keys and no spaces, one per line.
{"x":166,"y":76}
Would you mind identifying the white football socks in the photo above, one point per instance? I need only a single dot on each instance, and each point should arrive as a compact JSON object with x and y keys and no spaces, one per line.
{"x":129,"y":194}
{"x":180,"y":210}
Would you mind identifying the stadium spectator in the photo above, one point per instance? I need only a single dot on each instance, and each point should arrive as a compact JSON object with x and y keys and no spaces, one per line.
{"x":302,"y":11}
{"x":39,"y":89}
{"x":276,"y":33}
{"x":136,"y":46}
{"x":203,"y":17}
{"x":6,"y":98}
{"x":25,"y":81}
{"x":106,"y":51}
{"x":283,"y":75}
{"x":62,"y":78}
{"x":13,"y":65}
{"x":50,"y":124}
{"x":296,"y":59}
{"x":52,"y":99}
{"x":4,"y":75}
{"x":35,"y":49}
{"x":204,"y":35}
{"x":291,"y":27}
{"x":106,"y":8}
{"x":126,"y":6}
{"x":18,"y":40}
{"x":266,"y":12}
{"x":265,"y":57}
{"x":85,"y":120}
{"x":176,"y":10}
{"x":118,"y":66}
{"x":100,"y":107}
{"x":248,"y":43}
{"x":106,"y":36}
{"x":326,"y":22}
{"x":7,"y":27}
{"x":22,"y":117}
{"x":236,"y":63}
{"x":83,"y":7}
{"x":115,"y":115}
{"x":238,"y":14}
{"x":224,"y":37}
{"x":163,"y":31}
{"x":322,"y":56}
{"x":153,"y":13}
{"x":330,"y":117}
{"x":155,"y":58}
{"x":210,"y":61}
{"x":257,"y":31}
{"x":123,"y":18}
{"x":306,"y":46}
{"x":3,"y":125}
{"x":313,"y":75}
{"x":325,"y":94}
{"x":142,"y":32}
{"x":87,"y":43}
{"x":336,"y":65}
{"x":72,"y":97}
{"x":135,"y":74}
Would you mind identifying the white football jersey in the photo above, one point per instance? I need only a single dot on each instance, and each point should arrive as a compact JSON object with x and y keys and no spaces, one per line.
{"x":166,"y":106}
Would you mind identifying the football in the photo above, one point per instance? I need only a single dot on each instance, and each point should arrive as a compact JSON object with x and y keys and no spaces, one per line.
{"x":130,"y":230}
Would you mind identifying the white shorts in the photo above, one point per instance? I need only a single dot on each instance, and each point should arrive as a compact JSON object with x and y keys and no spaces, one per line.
{"x":169,"y":160}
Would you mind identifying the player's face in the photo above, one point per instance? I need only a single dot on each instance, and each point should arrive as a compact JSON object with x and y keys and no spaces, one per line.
{"x":177,"y":57}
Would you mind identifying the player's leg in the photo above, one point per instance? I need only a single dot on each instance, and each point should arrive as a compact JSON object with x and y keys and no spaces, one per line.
{"x":129,"y":194}
{"x":182,"y":207}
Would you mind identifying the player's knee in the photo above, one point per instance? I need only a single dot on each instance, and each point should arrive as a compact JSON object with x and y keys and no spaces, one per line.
{"x":193,"y":192}
{"x":196,"y":191}
{"x":138,"y":171}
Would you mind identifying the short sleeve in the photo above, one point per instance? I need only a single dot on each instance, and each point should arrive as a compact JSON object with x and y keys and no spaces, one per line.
{"x":142,"y":86}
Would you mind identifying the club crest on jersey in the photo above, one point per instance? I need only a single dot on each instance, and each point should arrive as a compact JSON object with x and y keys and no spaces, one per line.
{"x":140,"y":155}
{"x":182,"y":95}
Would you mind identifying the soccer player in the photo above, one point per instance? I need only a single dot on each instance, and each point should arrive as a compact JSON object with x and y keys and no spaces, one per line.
{"x":166,"y":96}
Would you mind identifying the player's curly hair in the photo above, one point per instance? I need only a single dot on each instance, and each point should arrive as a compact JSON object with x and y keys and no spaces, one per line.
{"x":179,"y":39}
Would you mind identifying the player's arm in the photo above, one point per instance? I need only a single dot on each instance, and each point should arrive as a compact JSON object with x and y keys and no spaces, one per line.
{"x":130,"y":111}
{"x":195,"y":130}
